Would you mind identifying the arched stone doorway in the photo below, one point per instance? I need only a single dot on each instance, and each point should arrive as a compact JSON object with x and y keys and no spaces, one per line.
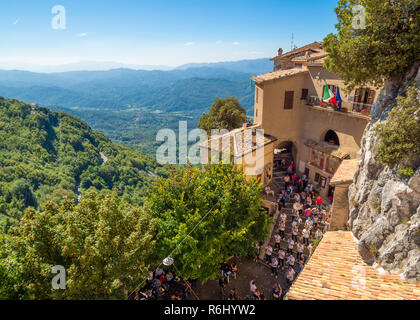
{"x":331,"y":137}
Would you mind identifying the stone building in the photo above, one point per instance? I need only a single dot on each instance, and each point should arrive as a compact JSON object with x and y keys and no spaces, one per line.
{"x":289,"y":107}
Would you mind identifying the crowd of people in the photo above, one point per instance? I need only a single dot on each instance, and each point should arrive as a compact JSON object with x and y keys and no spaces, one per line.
{"x":309,"y":222}
{"x":163,"y":284}
{"x":286,"y":255}
{"x":228,"y":270}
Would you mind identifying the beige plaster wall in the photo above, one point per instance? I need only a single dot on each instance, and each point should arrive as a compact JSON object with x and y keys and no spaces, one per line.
{"x":340,"y":208}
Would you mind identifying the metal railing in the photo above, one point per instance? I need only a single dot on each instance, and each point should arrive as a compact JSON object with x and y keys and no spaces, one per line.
{"x":346,"y":106}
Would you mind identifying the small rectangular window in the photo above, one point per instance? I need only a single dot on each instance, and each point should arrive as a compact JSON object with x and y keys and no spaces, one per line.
{"x":317,"y":177}
{"x":305,"y":93}
{"x":288,"y":99}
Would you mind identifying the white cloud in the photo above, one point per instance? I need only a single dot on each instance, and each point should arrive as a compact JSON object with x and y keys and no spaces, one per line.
{"x":236,"y":44}
{"x":16,"y":21}
{"x":189,"y":44}
{"x":81,"y":35}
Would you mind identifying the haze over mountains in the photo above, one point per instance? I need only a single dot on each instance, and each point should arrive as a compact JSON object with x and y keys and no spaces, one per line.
{"x":191,"y":87}
{"x":131,"y":106}
{"x":78,"y":66}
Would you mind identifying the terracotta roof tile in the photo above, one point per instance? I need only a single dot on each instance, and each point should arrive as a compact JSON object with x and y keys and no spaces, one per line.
{"x":337,"y":272}
{"x":279,"y":74}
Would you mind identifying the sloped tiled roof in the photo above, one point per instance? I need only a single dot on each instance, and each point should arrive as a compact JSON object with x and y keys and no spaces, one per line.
{"x":279,"y":74}
{"x":238,"y":141}
{"x":337,"y":272}
{"x":314,"y":45}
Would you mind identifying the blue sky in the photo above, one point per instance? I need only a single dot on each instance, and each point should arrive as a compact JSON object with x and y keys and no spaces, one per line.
{"x":159,"y":32}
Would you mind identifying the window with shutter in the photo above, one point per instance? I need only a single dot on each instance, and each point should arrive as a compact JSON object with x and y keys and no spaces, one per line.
{"x":288,"y":99}
{"x":357,"y":96}
{"x":371,"y":97}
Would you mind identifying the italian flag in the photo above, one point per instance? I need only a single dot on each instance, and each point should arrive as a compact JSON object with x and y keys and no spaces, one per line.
{"x":329,"y":96}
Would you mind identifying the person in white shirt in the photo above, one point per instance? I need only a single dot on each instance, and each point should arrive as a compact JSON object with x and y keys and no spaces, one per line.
{"x":277,"y":240}
{"x":158,"y":272}
{"x":326,"y":226}
{"x":290,"y":274}
{"x":306,"y":234}
{"x":299,"y":249}
{"x":274,"y":265}
{"x":282,"y":255}
{"x":291,"y":260}
{"x":300,"y":221}
{"x":309,"y":223}
{"x":290,"y":244}
{"x":310,"y":249}
{"x":252,"y":286}
{"x":295,"y":233}
{"x":268,"y":253}
{"x":318,"y":234}
{"x":282,"y":229}
{"x":283,"y":217}
{"x":315,"y":220}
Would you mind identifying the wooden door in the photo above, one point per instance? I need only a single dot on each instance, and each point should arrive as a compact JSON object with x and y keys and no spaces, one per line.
{"x":288,"y":99}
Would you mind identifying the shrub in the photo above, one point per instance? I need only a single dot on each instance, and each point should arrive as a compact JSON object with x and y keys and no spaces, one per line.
{"x":400,"y":133}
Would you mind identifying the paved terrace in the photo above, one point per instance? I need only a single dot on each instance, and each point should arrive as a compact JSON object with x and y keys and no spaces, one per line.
{"x":336,"y":272}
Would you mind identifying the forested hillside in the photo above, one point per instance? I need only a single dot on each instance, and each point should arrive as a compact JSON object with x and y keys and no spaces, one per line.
{"x":46,"y":155}
{"x":178,"y":90}
{"x":131,"y":106}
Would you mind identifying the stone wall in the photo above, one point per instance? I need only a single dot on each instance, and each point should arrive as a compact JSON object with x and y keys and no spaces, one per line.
{"x":384,"y":208}
{"x":340,"y":208}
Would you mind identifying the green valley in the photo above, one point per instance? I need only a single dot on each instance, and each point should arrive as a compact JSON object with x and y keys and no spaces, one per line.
{"x":46,"y":155}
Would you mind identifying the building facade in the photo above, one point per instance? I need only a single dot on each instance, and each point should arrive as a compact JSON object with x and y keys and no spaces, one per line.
{"x":289,"y":107}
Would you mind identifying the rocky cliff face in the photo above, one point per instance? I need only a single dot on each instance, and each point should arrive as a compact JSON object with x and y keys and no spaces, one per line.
{"x":385,"y":209}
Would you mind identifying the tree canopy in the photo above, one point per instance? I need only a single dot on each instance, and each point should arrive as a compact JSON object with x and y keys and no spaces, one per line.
{"x":47,"y":156}
{"x":224,"y":113}
{"x":386,"y":47}
{"x":205,"y":217}
{"x":103,"y":243}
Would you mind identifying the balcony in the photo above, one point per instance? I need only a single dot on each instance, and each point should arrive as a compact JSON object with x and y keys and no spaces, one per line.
{"x":355,"y":108}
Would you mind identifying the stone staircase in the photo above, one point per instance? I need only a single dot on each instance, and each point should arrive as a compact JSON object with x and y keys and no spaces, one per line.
{"x":277,"y":185}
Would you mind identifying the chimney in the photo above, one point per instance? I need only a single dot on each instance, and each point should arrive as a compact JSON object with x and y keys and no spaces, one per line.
{"x":280,"y":51}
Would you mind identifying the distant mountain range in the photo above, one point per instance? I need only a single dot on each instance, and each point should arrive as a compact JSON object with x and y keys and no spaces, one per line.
{"x":187,"y":88}
{"x":248,"y":66}
{"x":131,"y":106}
{"x":78,"y":66}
